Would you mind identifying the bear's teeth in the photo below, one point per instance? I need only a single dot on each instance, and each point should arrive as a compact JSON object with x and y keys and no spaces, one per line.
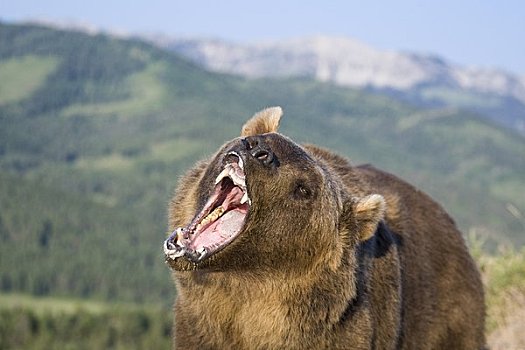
{"x":171,"y":251}
{"x":225,"y":172}
{"x":180,"y":236}
{"x":245,"y":198}
{"x":175,"y":254}
{"x":241,"y":164}
{"x":202,"y":252}
{"x":214,"y":215}
{"x":237,"y":180}
{"x":229,"y":171}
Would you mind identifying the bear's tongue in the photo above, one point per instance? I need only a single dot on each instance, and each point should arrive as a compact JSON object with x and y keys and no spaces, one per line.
{"x":224,"y":222}
{"x":219,"y":222}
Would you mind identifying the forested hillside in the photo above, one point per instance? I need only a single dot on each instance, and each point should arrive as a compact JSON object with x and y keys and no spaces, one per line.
{"x":94,"y":132}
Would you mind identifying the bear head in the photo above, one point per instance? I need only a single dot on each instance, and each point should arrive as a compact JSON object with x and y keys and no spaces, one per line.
{"x":262,"y":203}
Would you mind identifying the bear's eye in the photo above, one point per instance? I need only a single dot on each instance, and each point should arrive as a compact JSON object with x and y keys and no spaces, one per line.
{"x":301,"y":191}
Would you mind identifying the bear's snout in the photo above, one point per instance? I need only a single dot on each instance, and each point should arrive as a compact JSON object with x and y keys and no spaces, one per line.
{"x":260,"y":150}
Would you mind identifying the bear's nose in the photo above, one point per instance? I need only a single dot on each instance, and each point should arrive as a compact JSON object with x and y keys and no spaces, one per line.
{"x":258,"y":149}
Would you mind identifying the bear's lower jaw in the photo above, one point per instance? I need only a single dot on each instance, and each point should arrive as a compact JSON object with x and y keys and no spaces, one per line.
{"x":219,"y":223}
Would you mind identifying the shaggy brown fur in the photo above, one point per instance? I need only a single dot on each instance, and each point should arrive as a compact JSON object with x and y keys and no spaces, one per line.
{"x":331,"y":256}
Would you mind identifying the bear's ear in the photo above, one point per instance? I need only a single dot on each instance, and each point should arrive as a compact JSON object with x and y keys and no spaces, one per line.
{"x":368,"y":212}
{"x":262,"y":122}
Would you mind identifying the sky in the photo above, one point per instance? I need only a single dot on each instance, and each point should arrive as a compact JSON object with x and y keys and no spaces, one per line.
{"x":489,"y":34}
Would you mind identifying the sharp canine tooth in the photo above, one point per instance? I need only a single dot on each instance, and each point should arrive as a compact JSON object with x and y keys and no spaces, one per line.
{"x":244,"y":198}
{"x":225,"y":172}
{"x":202,"y":252}
{"x":237,"y":180}
{"x":179,"y":234}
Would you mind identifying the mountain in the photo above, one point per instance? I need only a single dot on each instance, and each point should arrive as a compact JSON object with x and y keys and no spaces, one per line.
{"x":421,"y":79}
{"x":96,"y":130}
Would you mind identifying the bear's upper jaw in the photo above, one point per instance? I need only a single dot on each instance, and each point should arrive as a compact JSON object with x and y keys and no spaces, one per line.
{"x":220,"y":221}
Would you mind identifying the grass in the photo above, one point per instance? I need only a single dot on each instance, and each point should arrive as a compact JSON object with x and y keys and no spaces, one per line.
{"x":51,"y":323}
{"x":176,"y":149}
{"x":417,"y":118}
{"x":24,"y":76}
{"x":504,"y":279}
{"x":112,"y":162}
{"x":458,"y":98}
{"x":51,"y":304}
{"x":146,"y":94}
{"x":41,"y":305}
{"x":507,"y":321}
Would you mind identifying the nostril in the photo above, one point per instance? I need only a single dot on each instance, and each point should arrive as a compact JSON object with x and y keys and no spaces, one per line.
{"x":258,"y":149}
{"x":262,"y":155}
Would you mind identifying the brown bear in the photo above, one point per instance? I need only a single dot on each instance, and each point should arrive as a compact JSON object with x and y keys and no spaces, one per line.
{"x":282,"y":246}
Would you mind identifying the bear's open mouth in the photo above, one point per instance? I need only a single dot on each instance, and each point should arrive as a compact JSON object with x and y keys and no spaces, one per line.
{"x":220,"y":221}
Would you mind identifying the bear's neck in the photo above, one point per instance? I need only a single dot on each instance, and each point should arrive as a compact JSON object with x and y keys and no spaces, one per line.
{"x":263,"y":312}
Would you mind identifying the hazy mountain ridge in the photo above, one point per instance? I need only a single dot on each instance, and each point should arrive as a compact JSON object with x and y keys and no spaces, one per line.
{"x":344,"y":61}
{"x":421,"y":79}
{"x":428,"y":80}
